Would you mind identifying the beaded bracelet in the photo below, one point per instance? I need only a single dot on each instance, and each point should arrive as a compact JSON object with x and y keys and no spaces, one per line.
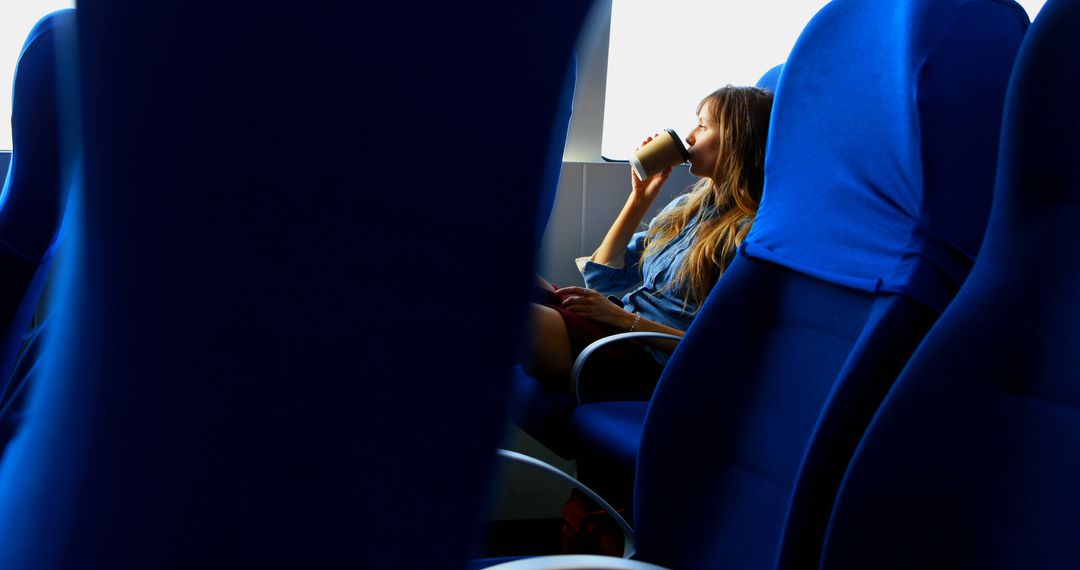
{"x":637,"y":319}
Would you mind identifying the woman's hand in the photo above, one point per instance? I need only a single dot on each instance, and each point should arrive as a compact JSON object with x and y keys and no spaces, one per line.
{"x":647,"y":190}
{"x":593,"y":305}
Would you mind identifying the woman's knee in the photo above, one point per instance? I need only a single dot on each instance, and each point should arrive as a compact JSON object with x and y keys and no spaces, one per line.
{"x":550,"y":354}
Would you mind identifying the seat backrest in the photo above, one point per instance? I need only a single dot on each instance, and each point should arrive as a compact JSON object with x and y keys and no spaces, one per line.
{"x":973,"y":460}
{"x":770,"y":78}
{"x":854,"y":252}
{"x":28,"y":368}
{"x":38,"y":179}
{"x":549,"y":183}
{"x":248,"y":363}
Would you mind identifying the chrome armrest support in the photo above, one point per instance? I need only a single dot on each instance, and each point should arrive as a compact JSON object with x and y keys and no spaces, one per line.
{"x":576,"y":562}
{"x":628,"y":533}
{"x":575,"y":373}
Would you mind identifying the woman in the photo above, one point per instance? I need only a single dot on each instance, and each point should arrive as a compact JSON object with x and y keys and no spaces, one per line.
{"x":669,"y":269}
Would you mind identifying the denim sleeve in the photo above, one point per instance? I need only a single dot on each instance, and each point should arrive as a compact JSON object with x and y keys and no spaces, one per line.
{"x":616,"y":280}
{"x":611,"y":279}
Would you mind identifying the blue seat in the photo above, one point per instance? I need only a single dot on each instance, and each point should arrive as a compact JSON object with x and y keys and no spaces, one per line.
{"x":28,"y":368}
{"x":247,"y":363}
{"x":560,"y":128}
{"x":876,"y":197}
{"x":973,"y":459}
{"x":770,"y":78}
{"x":34,"y":196}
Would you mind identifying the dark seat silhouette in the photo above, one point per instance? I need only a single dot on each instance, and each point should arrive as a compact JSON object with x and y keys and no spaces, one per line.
{"x":974,"y":457}
{"x":44,"y":160}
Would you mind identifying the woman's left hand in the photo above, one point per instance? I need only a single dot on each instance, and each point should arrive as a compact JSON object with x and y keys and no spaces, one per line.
{"x":592,"y":304}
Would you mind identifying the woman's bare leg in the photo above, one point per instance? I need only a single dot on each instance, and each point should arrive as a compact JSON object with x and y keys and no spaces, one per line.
{"x":549,"y":357}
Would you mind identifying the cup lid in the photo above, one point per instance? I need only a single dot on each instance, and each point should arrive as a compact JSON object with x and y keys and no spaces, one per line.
{"x":678,"y":142}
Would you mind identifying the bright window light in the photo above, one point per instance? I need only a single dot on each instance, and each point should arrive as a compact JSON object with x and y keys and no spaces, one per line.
{"x":664,"y":57}
{"x":1032,"y":7}
{"x":17,"y":18}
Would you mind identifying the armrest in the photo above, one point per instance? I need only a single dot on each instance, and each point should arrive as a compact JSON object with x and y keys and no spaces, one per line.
{"x":628,"y":533}
{"x":576,"y":562}
{"x":575,"y":373}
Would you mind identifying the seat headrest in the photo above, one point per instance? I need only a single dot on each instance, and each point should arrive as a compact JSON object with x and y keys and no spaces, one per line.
{"x":770,"y":78}
{"x":883,"y":143}
{"x":1038,"y":180}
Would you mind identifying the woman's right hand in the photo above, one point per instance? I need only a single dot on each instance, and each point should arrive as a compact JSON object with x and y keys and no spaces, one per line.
{"x":647,"y":190}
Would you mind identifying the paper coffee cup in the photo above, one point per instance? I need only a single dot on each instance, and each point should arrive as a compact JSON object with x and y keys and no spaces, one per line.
{"x":659,"y":154}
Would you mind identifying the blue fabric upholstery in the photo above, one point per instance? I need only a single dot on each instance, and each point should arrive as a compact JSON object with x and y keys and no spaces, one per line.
{"x":543,"y":412}
{"x":38,"y":179}
{"x":751,"y":427}
{"x":608,"y":435}
{"x":770,"y":79}
{"x":28,"y":368}
{"x":248,"y":365}
{"x":726,"y":428}
{"x":914,"y":143}
{"x":973,"y":459}
{"x":549,"y":184}
{"x":896,"y":327}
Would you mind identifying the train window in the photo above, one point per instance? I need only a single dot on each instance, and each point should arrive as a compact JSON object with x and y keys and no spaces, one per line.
{"x":1031,"y":6}
{"x":16,"y":21}
{"x":663,"y":57}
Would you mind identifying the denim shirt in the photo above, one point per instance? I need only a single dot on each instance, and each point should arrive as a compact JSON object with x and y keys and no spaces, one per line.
{"x":640,"y":285}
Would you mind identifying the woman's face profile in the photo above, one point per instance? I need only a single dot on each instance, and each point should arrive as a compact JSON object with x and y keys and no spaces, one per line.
{"x":703,"y":142}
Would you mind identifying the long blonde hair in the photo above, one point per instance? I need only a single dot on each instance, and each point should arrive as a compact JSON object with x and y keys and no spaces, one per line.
{"x":726,"y":201}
